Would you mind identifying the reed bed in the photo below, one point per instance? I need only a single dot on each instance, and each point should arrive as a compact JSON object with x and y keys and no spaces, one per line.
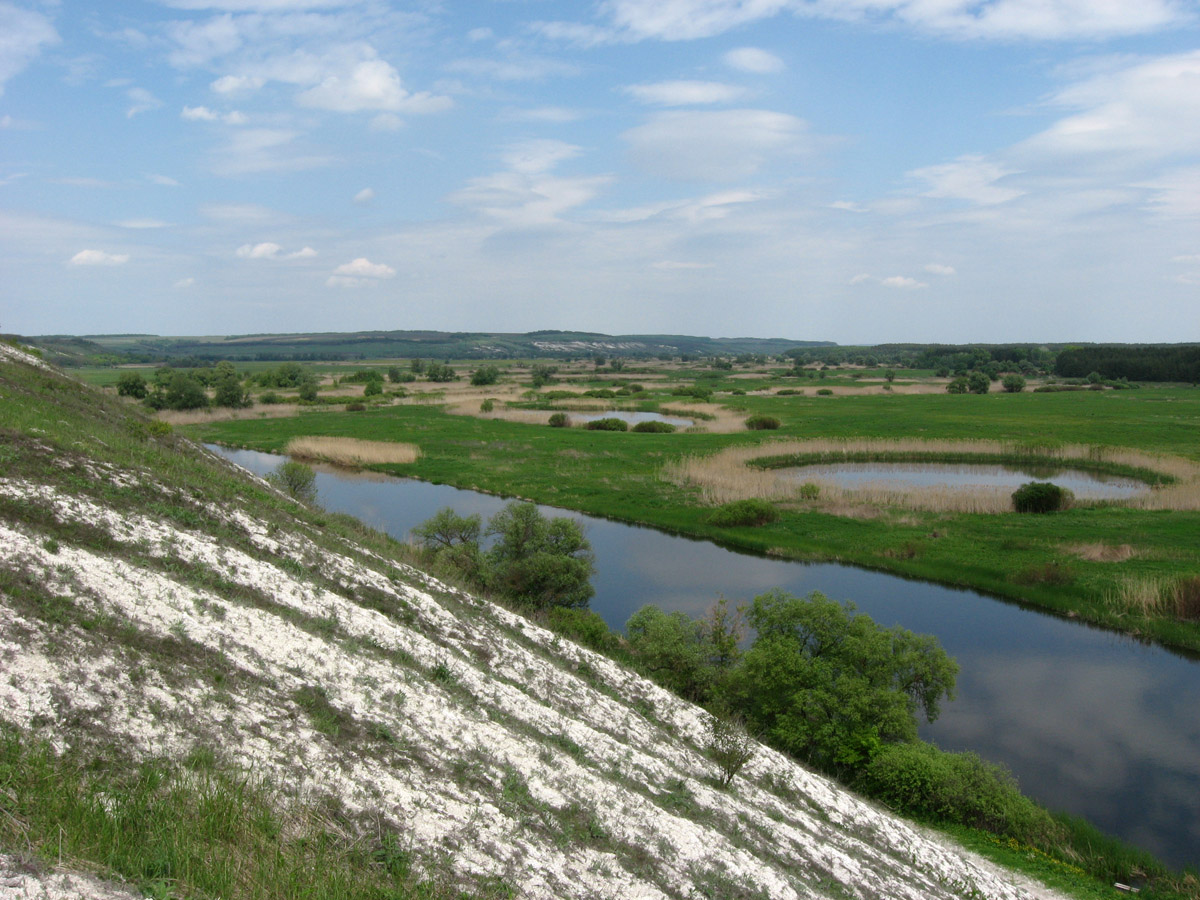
{"x":732,"y":473}
{"x":1157,"y":596}
{"x":343,"y":451}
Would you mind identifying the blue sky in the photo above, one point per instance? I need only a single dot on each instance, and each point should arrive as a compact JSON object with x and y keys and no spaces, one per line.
{"x":861,"y":171}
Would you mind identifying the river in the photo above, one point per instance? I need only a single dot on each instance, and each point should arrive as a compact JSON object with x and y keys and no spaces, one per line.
{"x":1090,"y":722}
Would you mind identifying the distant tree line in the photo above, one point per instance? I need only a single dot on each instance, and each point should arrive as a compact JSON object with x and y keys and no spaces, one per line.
{"x":1134,"y":362}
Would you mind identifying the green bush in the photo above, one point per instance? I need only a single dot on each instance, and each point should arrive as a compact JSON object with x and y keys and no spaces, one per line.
{"x":1040,"y":497}
{"x":485,"y":375}
{"x":809,"y":491}
{"x":295,"y":479}
{"x":609,"y":424}
{"x":762,"y":423}
{"x":269,"y":398}
{"x":560,"y":420}
{"x":132,"y":384}
{"x":355,"y":406}
{"x":919,"y":780}
{"x":743,"y":512}
{"x":654,"y":427}
{"x":825,"y":392}
{"x":487,"y":405}
{"x":1013,"y":384}
{"x":373,"y":389}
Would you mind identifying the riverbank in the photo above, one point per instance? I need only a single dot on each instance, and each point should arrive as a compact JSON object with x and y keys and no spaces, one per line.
{"x":1107,"y":565}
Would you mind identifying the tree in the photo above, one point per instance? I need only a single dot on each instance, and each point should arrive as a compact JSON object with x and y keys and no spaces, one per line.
{"x":453,"y":539}
{"x":890,"y":375}
{"x":485,"y":375}
{"x":959,"y":385}
{"x":830,"y":686}
{"x":132,"y":384}
{"x":978,"y":383}
{"x":373,"y":388}
{"x":1013,"y":384}
{"x":440,"y":372}
{"x":184,"y":392}
{"x":308,"y":390}
{"x":542,"y":374}
{"x":295,"y":479}
{"x":539,"y":562}
{"x":229,"y":390}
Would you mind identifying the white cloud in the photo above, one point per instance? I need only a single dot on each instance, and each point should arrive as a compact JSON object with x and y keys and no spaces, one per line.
{"x":359,"y":273}
{"x":271,"y":250}
{"x":848,"y":206}
{"x":939,"y":269}
{"x":263,"y":150}
{"x":715,"y":146}
{"x":902,"y":282}
{"x":364,"y":268}
{"x":239,"y":213}
{"x":1187,"y":258}
{"x":684,"y":93}
{"x":366,"y":195}
{"x":753,"y":60}
{"x":142,"y":101}
{"x":98,"y":258}
{"x":197,"y":44}
{"x":670,"y":265}
{"x":515,"y":68}
{"x":526,"y":200}
{"x":23,"y":34}
{"x":265,"y":250}
{"x":204,"y":114}
{"x":372,"y":84}
{"x":536,"y":156}
{"x":552,"y":114}
{"x":678,"y":20}
{"x":162,"y":180}
{"x":232,"y":84}
{"x":480,"y":34}
{"x":184,"y":283}
{"x":971,"y":178}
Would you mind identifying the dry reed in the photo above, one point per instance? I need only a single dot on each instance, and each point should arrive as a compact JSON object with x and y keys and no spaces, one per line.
{"x":352,"y":451}
{"x":728,"y":475}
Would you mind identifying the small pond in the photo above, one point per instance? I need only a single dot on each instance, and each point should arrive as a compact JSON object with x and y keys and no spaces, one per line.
{"x":1089,"y":721}
{"x":1086,"y":485}
{"x":633,"y":418}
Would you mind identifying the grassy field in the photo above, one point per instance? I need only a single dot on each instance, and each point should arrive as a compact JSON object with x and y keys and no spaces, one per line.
{"x":1120,"y":567}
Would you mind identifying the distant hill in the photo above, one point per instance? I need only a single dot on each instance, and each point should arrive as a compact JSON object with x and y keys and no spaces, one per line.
{"x":103,"y":349}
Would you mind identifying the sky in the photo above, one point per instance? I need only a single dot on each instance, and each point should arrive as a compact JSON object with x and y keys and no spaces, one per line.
{"x":860,"y":171}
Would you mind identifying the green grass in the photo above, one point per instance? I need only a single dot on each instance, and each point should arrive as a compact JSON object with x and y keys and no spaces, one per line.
{"x":195,"y":829}
{"x":618,"y":476}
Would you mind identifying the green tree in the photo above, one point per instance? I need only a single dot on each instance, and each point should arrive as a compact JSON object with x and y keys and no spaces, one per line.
{"x":440,"y":372}
{"x":132,"y":384}
{"x":539,"y":562}
{"x":184,"y":392}
{"x":1013,"y":384}
{"x":454,"y":540}
{"x":978,"y":383}
{"x":669,"y":647}
{"x":295,"y":479}
{"x":830,"y":686}
{"x":485,"y":375}
{"x":228,"y":388}
{"x":308,"y":390}
{"x":542,"y":374}
{"x":373,"y":388}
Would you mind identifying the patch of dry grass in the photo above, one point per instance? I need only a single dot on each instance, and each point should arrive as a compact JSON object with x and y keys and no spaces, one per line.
{"x":352,"y":451}
{"x":224,"y":413}
{"x":1102,"y":552}
{"x":726,"y":476}
{"x":1157,"y":596}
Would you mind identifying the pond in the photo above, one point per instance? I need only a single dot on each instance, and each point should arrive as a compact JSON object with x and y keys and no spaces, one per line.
{"x":1089,"y":721}
{"x":1084,"y":484}
{"x":633,"y":418}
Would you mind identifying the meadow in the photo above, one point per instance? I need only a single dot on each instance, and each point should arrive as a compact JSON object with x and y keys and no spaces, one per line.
{"x":1126,"y":568}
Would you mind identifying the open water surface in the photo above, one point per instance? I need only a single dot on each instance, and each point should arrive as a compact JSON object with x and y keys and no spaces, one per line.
{"x":1090,"y":722}
{"x":961,"y":476}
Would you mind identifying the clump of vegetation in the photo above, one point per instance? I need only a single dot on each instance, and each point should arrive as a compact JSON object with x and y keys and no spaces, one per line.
{"x":487,"y":405}
{"x":485,"y":375}
{"x":355,"y":406}
{"x":730,"y":746}
{"x":809,"y":491}
{"x":695,"y":391}
{"x":560,"y":420}
{"x":535,"y":562}
{"x":1040,"y":497}
{"x":607,"y":424}
{"x":296,"y":480}
{"x":753,"y":512}
{"x":654,"y":427}
{"x":825,"y":392}
{"x":762,"y":423}
{"x":1013,"y":384}
{"x":919,"y":780}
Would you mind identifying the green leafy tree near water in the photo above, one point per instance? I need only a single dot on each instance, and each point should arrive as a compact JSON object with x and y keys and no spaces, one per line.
{"x":830,"y":686}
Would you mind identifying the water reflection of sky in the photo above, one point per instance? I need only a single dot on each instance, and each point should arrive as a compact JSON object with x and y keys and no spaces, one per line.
{"x":632,"y":418}
{"x":1090,"y":722}
{"x":1084,"y":484}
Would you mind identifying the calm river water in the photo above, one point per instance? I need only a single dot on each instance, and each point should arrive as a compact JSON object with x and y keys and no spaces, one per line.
{"x":1089,"y":721}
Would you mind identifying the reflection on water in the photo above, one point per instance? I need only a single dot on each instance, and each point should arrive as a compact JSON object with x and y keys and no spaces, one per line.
{"x":1090,"y":722}
{"x":1085,"y":485}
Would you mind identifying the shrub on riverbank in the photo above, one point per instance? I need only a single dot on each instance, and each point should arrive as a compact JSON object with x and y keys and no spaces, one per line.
{"x":607,"y":424}
{"x":1040,"y":497}
{"x":743,"y":513}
